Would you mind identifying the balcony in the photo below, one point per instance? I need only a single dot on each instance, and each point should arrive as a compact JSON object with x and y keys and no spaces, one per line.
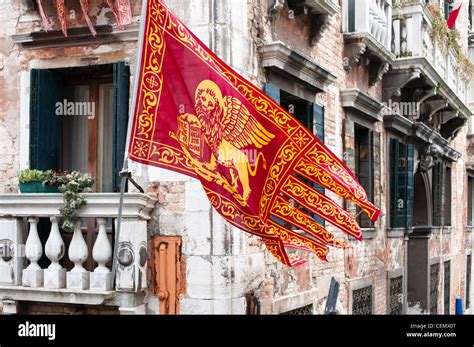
{"x":40,"y":263}
{"x":425,"y":71}
{"x":324,"y":7}
{"x":367,"y":32}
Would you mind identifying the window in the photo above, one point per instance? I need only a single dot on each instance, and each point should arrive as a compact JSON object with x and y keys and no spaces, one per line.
{"x":447,"y":287}
{"x":434,"y":282}
{"x":364,"y":167}
{"x":447,"y":197}
{"x":396,"y":295}
{"x":307,"y":113}
{"x":468,"y":281}
{"x":401,"y":184}
{"x":78,"y":121}
{"x":470,"y":205}
{"x":362,"y":301}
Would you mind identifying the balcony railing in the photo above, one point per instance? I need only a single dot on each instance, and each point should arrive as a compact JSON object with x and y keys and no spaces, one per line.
{"x":470,"y":126}
{"x":412,"y":39}
{"x":373,"y":17}
{"x":39,"y":264}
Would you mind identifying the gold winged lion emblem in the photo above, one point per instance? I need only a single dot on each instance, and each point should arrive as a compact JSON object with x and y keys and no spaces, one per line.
{"x":218,"y":134}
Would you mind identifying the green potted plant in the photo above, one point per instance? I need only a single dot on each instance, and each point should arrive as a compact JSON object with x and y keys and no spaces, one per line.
{"x":35,"y":181}
{"x":71,"y":185}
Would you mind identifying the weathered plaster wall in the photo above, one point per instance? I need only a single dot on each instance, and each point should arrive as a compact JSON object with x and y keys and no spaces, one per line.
{"x":223,"y":263}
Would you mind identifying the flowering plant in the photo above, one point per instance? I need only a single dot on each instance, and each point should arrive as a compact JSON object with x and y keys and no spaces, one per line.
{"x":72,"y":185}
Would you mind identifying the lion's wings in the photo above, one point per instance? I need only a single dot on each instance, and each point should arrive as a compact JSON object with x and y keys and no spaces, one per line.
{"x":240,"y":128}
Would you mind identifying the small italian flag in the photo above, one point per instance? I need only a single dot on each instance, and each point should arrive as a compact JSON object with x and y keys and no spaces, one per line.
{"x":454,"y":13}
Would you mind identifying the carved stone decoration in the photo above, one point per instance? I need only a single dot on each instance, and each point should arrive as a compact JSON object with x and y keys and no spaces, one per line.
{"x":319,"y":23}
{"x":376,"y":73}
{"x":429,"y":157}
{"x":275,"y":6}
{"x":393,"y":85}
{"x":354,"y":51}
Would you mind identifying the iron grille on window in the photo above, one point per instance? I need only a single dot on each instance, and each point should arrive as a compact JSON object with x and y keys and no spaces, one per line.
{"x":396,"y":295}
{"x":302,"y":311}
{"x":434,"y":281}
{"x":468,"y":281}
{"x":447,"y":287}
{"x":362,"y":301}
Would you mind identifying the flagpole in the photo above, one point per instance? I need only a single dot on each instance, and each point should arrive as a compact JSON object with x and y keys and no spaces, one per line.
{"x":123,"y":173}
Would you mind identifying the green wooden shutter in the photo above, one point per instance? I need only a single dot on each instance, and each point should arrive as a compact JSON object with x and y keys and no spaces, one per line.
{"x":400,"y":217}
{"x":410,"y":185}
{"x":401,"y":184}
{"x":318,"y":121}
{"x":394,"y":159}
{"x":45,"y":125}
{"x":120,"y":121}
{"x":364,"y":168}
{"x":318,"y":118}
{"x":447,"y":9}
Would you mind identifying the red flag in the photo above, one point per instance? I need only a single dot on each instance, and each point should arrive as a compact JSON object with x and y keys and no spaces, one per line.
{"x":62,"y":15}
{"x":453,"y":16}
{"x":122,"y":12}
{"x":197,"y":116}
{"x":85,"y":11}
{"x":46,"y":23}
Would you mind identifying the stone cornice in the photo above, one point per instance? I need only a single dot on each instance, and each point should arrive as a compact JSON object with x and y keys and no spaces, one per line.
{"x":278,"y":56}
{"x":76,"y":36}
{"x":362,"y":103}
{"x":398,"y":124}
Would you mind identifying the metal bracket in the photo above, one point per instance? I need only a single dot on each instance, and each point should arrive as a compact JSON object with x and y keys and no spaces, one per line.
{"x":128,"y":176}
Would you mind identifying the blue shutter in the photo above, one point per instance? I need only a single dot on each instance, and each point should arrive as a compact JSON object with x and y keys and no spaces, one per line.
{"x":120,"y":119}
{"x":45,"y":125}
{"x":393,"y":181}
{"x":318,"y":121}
{"x":401,"y":184}
{"x":272,"y":91}
{"x":410,"y":185}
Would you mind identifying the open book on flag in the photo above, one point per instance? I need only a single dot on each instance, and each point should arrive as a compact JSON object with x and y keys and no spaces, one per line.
{"x":194,"y":115}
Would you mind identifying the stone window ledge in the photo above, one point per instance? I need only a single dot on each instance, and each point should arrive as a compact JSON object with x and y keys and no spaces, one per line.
{"x":369,"y":233}
{"x":393,"y":233}
{"x":469,"y":229}
{"x":62,"y":296}
{"x":447,"y":229}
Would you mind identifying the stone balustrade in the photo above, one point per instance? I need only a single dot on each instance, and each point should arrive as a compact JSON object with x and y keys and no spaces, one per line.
{"x":24,"y":246}
{"x":373,"y":17}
